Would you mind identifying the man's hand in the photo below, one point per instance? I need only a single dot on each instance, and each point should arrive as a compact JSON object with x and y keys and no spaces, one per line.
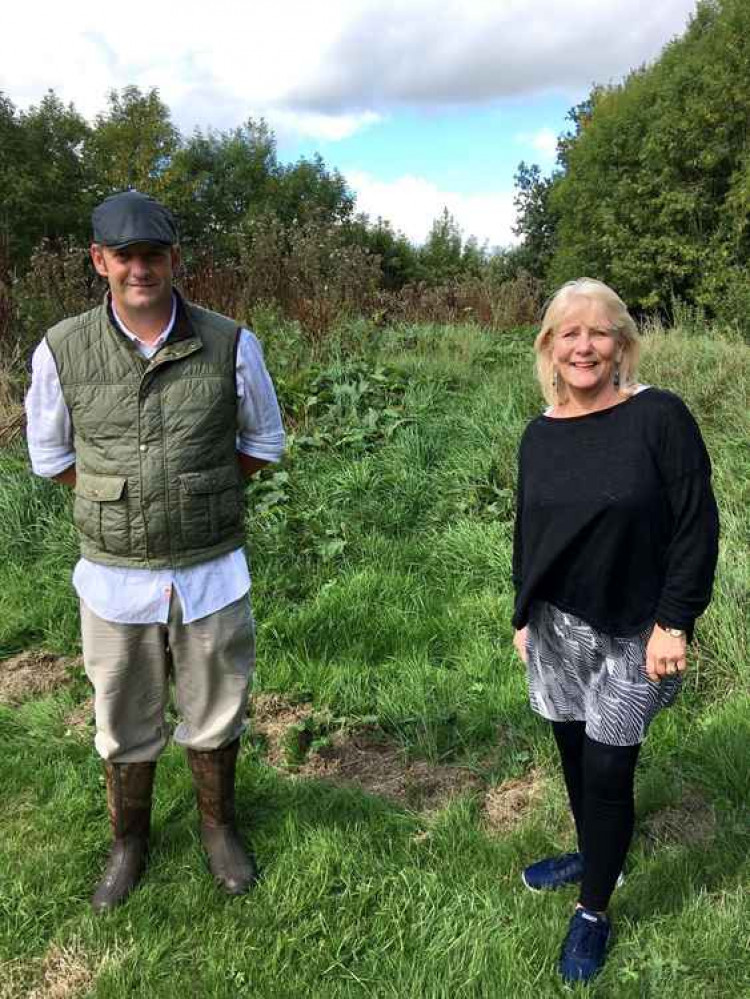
{"x":250,"y":465}
{"x":519,"y":640}
{"x":66,"y":478}
{"x":665,"y":654}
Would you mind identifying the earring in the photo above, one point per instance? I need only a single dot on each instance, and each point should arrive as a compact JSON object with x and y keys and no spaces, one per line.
{"x":554,"y":379}
{"x":616,"y":378}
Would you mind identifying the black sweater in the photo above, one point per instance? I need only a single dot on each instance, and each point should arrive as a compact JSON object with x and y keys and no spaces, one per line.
{"x":616,"y":520}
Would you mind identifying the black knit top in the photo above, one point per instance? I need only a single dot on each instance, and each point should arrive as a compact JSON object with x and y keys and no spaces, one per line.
{"x":616,"y":520}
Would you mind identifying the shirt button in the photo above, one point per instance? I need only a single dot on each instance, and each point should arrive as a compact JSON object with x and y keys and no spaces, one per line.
{"x":142,"y":447}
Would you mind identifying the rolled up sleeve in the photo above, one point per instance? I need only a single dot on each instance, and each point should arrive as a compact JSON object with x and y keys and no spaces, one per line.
{"x":49,"y":430}
{"x":260,"y":433}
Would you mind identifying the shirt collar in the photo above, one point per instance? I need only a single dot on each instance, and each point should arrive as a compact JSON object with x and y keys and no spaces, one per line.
{"x":162,"y":336}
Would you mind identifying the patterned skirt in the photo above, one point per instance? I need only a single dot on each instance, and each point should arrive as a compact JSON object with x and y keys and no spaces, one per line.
{"x":577,"y":673}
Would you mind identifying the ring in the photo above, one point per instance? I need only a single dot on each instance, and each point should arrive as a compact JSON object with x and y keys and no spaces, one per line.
{"x":671,"y":668}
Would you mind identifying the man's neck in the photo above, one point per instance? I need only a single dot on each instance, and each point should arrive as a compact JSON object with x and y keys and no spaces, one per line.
{"x":147,"y":327}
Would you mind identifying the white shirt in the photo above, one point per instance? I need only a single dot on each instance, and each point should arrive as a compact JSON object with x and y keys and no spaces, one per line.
{"x":141,"y":596}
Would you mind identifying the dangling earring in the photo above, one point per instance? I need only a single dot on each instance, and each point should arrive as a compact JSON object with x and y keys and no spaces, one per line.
{"x":554,"y":379}
{"x":616,"y":378}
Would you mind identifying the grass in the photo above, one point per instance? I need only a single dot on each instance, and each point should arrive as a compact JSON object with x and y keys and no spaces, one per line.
{"x":381,"y":586}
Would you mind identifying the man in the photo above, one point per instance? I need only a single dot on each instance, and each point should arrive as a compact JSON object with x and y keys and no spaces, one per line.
{"x":154,"y":410}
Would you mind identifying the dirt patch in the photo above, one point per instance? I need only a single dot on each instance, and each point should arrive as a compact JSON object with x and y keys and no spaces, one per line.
{"x":506,"y":805}
{"x":65,"y":974}
{"x":367,"y":760}
{"x":31,"y":673}
{"x":12,"y":419}
{"x":13,"y":978}
{"x":691,"y":822}
{"x":272,"y":720}
{"x":81,"y":718}
{"x":364,"y":758}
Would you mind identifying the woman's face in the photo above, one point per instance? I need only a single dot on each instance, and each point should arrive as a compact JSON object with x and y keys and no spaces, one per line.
{"x":585,"y":349}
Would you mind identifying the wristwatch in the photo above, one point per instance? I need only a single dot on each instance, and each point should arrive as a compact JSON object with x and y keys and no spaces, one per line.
{"x":674,"y":632}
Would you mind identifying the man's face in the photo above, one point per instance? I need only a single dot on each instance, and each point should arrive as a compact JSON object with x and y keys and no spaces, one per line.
{"x":140,"y":275}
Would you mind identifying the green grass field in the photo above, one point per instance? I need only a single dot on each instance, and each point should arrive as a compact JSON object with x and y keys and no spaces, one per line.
{"x":395,"y":781}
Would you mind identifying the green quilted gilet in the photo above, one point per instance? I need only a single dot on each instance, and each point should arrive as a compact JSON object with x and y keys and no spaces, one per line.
{"x":158,"y":483}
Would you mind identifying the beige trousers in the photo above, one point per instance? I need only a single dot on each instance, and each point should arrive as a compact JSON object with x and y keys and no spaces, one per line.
{"x":211,"y":661}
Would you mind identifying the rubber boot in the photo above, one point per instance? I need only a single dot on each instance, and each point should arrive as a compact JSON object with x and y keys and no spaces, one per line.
{"x":129,"y":790}
{"x":213,"y":774}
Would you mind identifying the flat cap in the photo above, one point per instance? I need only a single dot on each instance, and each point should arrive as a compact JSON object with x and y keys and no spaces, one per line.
{"x":132,"y":217}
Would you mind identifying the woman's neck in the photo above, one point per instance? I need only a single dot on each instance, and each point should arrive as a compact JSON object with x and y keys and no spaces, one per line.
{"x":580,"y":403}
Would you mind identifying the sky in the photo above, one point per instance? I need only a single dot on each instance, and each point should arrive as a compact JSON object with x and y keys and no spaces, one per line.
{"x":420,"y":104}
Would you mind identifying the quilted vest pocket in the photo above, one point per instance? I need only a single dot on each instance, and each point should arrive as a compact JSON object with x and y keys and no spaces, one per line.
{"x":100,"y":511}
{"x":211,"y":504}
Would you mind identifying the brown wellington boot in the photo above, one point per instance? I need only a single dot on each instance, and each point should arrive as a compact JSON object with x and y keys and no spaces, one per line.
{"x":129,"y":788}
{"x":213,"y":775}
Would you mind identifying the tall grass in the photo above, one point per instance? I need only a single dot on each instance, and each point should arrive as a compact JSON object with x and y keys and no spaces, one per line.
{"x":381,"y":587}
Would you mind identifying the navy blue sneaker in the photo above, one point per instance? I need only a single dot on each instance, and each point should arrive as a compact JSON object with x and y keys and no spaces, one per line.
{"x":554,"y":872}
{"x":584,"y":949}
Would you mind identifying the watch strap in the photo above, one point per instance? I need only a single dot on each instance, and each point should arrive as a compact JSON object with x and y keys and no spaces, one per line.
{"x":674,"y":632}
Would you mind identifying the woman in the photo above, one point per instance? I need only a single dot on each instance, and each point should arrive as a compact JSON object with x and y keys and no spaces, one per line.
{"x":614,"y":557}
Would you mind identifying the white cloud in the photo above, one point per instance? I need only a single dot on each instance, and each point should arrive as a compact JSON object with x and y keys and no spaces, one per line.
{"x":412,"y":204}
{"x":321,"y":126}
{"x":543,"y":142}
{"x":325,"y":65}
{"x":434,"y":53}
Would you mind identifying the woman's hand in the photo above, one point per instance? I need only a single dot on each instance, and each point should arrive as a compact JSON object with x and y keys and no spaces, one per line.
{"x":665,"y":654}
{"x":519,"y":640}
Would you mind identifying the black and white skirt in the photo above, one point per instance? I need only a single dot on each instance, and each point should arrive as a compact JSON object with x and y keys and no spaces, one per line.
{"x":577,"y":673}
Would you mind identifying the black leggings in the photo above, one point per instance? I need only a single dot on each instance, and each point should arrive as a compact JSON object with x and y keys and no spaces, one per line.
{"x":600,"y":781}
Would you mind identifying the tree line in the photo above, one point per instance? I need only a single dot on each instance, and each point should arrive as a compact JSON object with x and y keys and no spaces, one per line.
{"x":224,"y":187}
{"x":651,"y":191}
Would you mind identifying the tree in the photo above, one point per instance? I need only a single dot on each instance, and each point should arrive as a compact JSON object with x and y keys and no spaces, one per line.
{"x":41,"y":174}
{"x":535,"y":220}
{"x":440,"y":257}
{"x":653,"y":192}
{"x":216,"y":178}
{"x":131,"y":145}
{"x":399,"y":260}
{"x":308,"y":191}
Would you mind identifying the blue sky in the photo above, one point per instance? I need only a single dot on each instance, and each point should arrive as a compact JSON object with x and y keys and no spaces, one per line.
{"x":420,"y":103}
{"x":463,"y":149}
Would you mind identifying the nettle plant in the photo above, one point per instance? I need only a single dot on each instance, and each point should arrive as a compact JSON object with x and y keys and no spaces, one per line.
{"x":353,"y":406}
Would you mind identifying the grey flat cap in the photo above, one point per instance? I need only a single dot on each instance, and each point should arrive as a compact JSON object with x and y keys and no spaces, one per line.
{"x":132,"y":217}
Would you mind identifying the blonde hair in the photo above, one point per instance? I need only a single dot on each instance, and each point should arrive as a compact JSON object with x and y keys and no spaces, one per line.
{"x":623,"y":325}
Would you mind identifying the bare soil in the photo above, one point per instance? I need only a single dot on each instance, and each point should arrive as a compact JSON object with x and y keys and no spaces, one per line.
{"x":272,"y":716}
{"x":32,"y":673}
{"x":12,"y":419}
{"x":508,"y":804}
{"x":364,"y":758}
{"x":65,"y":975}
{"x":691,"y":822}
{"x":13,"y":978}
{"x":80,"y":719}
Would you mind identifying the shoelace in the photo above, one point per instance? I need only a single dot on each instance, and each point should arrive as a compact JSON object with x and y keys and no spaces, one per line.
{"x":586,"y":933}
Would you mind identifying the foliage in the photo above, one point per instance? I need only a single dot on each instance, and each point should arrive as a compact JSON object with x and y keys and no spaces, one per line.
{"x":440,"y":257}
{"x":215,"y":179}
{"x":399,"y":259}
{"x":382,"y":593}
{"x":131,"y":144}
{"x":54,"y":168}
{"x":311,"y":274}
{"x":652,"y":192}
{"x":535,"y":222}
{"x":43,"y":189}
{"x":60,"y":282}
